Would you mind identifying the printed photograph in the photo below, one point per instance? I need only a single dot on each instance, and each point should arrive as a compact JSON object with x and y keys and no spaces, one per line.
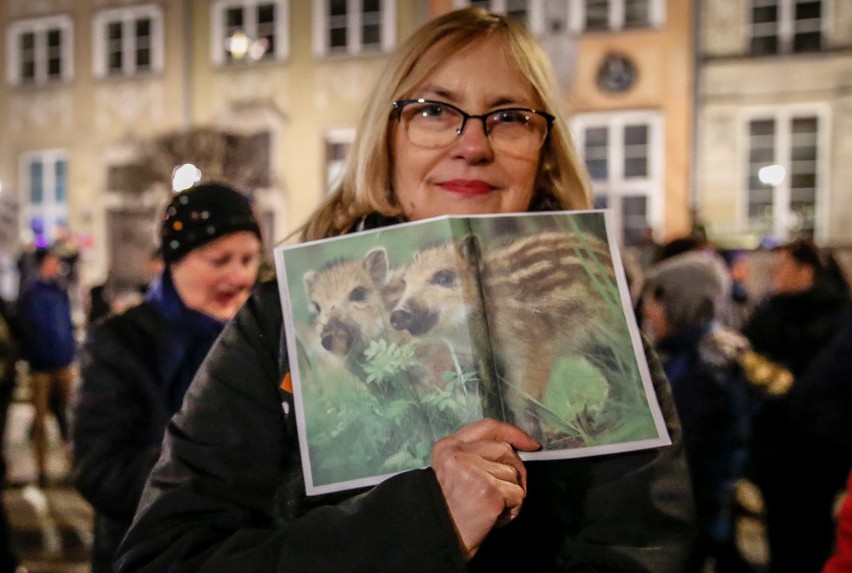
{"x":398,"y":337}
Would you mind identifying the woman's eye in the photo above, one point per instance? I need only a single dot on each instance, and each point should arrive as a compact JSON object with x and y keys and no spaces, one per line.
{"x":511,"y":117}
{"x":431,"y":110}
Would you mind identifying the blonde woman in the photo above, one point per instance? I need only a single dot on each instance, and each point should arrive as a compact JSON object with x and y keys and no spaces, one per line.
{"x":228,"y":493}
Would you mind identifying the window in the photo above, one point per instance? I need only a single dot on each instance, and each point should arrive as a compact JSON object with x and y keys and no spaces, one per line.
{"x":45,"y":199}
{"x":548,"y":17}
{"x":40,"y":51}
{"x":249,"y":31}
{"x":337,"y":145}
{"x":518,"y":9}
{"x":786,"y":26}
{"x":352,"y":27}
{"x":784,"y":162}
{"x":615,"y":15}
{"x":128,"y":41}
{"x":623,"y":154}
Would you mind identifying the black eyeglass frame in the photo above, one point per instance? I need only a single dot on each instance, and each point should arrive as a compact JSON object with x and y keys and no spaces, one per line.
{"x":400,"y":104}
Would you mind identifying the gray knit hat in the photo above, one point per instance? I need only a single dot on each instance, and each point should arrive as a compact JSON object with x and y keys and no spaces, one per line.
{"x":691,"y":287}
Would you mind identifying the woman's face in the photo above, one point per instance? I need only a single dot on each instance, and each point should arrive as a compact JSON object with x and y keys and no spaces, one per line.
{"x":788,"y":275}
{"x":654,"y":314}
{"x":467,"y":176}
{"x":216,"y":278}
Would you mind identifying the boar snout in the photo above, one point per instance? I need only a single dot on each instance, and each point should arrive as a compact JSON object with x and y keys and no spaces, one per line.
{"x":400,"y":319}
{"x":336,"y":337}
{"x":415,"y":320}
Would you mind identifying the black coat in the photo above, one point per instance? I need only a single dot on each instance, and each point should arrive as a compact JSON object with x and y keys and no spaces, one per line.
{"x":119,"y":419}
{"x":799,"y":471}
{"x":228,"y":492}
{"x":791,"y":328}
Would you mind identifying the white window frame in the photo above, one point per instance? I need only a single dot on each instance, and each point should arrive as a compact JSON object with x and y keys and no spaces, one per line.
{"x":127,"y":17}
{"x":782,"y":115}
{"x":51,"y":211}
{"x":617,"y":186}
{"x":354,"y":46}
{"x":500,"y":6}
{"x":334,"y":169}
{"x":576,"y":14}
{"x":787,"y":22}
{"x":218,"y":38}
{"x":40,"y":27}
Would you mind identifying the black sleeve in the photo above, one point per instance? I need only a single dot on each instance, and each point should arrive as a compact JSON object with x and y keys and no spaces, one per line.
{"x":213,"y":502}
{"x":639,"y":512}
{"x":629,"y":512}
{"x":118,"y":418}
{"x":821,"y":399}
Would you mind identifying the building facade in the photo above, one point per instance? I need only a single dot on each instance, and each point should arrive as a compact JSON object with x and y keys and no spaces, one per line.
{"x":102,"y":100}
{"x":775,"y":120}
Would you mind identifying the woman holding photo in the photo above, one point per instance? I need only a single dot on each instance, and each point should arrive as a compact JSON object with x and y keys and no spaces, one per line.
{"x":228,"y":493}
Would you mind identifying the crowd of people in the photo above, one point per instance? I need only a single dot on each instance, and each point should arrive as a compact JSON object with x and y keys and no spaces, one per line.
{"x":183,"y":431}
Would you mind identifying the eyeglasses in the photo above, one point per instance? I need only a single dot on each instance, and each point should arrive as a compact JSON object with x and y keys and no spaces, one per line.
{"x":432,"y":124}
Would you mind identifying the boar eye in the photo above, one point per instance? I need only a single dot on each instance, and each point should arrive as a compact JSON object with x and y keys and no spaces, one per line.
{"x":314,"y":307}
{"x":445,"y":277}
{"x":358,"y":294}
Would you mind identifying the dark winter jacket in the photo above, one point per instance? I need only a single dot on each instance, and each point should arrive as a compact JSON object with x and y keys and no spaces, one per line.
{"x":228,"y":492}
{"x":799,"y":473}
{"x":44,"y":317}
{"x":790,"y":329}
{"x":823,"y":398}
{"x":715,"y":407}
{"x":135,"y":368}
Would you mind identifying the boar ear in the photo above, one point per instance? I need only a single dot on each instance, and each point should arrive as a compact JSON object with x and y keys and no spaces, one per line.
{"x":308,"y":279}
{"x":469,"y":249}
{"x":376,"y":264}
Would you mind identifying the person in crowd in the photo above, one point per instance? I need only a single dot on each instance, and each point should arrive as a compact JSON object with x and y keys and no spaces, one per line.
{"x":711,"y":391}
{"x":695,"y":242}
{"x":27,"y":266}
{"x":808,"y":300}
{"x":9,"y":561}
{"x":153,"y":267}
{"x":820,"y":402}
{"x":739,"y":269}
{"x":49,"y":346}
{"x":841,"y":559}
{"x":228,"y":491}
{"x":98,"y":305}
{"x":137,"y":365}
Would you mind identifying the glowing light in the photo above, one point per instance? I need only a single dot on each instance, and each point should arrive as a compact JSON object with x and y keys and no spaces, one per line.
{"x":238,"y":45}
{"x":771,"y":174}
{"x":185,"y":176}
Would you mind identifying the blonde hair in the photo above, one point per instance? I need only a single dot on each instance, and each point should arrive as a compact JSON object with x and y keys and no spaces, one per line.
{"x":366,"y":183}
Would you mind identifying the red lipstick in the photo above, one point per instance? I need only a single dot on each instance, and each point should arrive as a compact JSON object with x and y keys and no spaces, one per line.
{"x":467,"y":186}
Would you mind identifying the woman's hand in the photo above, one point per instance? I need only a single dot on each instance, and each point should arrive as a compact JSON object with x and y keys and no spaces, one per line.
{"x":483,"y":480}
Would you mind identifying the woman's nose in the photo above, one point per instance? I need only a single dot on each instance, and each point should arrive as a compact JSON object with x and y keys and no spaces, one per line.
{"x":472,"y":143}
{"x":243,"y":274}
